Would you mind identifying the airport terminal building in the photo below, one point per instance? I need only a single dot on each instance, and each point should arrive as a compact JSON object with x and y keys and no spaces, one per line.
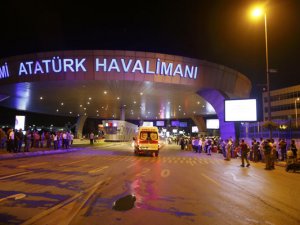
{"x":120,"y":85}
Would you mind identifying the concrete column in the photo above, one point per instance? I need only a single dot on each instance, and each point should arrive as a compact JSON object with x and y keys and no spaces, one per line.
{"x":216,"y":99}
{"x":200,"y":123}
{"x":79,"y":126}
{"x":122,"y":113}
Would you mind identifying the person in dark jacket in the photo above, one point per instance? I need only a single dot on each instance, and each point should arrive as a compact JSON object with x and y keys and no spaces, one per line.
{"x":294,"y":149}
{"x":244,"y":153}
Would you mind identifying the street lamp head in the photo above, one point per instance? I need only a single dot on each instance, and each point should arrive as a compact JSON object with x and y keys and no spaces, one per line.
{"x":257,"y":11}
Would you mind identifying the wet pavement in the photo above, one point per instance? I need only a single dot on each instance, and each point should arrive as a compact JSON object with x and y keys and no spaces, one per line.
{"x":77,"y":146}
{"x":107,"y":184}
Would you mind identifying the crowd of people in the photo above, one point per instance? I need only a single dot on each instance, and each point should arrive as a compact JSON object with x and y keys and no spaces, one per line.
{"x":267,"y":151}
{"x":20,"y":141}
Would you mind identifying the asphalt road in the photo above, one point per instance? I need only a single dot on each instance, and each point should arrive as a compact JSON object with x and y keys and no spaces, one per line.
{"x":178,"y":187}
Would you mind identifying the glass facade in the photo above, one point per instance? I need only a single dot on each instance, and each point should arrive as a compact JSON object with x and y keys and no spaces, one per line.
{"x":284,"y":104}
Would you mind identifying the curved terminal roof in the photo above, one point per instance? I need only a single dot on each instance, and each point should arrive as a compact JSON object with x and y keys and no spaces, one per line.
{"x":99,"y":83}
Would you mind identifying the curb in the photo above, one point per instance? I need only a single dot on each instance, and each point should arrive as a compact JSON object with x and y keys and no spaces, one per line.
{"x":37,"y":153}
{"x":280,"y":164}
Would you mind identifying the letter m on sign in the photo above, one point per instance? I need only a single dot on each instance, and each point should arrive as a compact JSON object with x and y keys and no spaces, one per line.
{"x":3,"y":72}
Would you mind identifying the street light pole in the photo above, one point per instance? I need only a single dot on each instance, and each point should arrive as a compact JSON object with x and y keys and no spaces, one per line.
{"x":258,"y":11}
{"x":267,"y":70}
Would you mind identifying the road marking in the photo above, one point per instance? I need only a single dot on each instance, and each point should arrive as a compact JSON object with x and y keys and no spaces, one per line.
{"x":211,"y":180}
{"x":88,"y":191}
{"x":165,"y":173}
{"x":131,"y":165}
{"x":66,"y":164}
{"x":34,"y":164}
{"x":98,"y":169}
{"x":85,"y":165}
{"x":233,"y":176}
{"x":143,"y":173}
{"x":190,"y":162}
{"x":14,"y":175}
{"x":205,"y":161}
{"x":16,"y":197}
{"x":252,"y":221}
{"x":200,"y":162}
{"x":268,"y":222}
{"x":128,"y":159}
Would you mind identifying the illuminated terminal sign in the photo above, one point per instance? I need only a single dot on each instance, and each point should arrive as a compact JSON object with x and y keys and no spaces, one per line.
{"x":4,"y":73}
{"x":102,"y":65}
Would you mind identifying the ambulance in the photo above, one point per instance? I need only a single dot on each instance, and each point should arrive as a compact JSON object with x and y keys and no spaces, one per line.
{"x":147,"y":141}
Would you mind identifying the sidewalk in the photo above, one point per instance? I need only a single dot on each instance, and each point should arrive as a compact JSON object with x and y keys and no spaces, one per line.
{"x":280,"y":163}
{"x":77,"y":145}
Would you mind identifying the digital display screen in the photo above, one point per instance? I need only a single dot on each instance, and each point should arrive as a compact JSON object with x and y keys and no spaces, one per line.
{"x":20,"y":122}
{"x":240,"y":110}
{"x":212,"y":124}
{"x":175,"y":123}
{"x":160,"y":123}
{"x":195,"y":129}
{"x":147,"y":124}
{"x":183,"y":124}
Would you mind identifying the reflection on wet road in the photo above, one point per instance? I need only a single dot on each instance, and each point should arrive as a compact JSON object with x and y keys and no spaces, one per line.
{"x":109,"y":185}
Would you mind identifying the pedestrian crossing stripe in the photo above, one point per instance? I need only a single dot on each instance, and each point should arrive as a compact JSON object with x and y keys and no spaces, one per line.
{"x":176,"y":160}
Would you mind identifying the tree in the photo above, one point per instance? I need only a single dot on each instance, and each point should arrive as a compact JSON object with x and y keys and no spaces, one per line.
{"x":270,"y":125}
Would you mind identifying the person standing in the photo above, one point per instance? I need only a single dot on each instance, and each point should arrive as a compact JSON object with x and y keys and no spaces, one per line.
{"x":92,"y":138}
{"x":294,"y":149}
{"x":282,"y":146}
{"x":55,"y":141}
{"x":189,"y":144}
{"x":64,"y":140}
{"x":273,"y":154}
{"x":19,"y":138}
{"x":27,"y":141}
{"x":209,"y":146}
{"x":182,"y":143}
{"x":267,"y":148}
{"x":255,"y":149}
{"x":228,"y":147}
{"x":244,"y":153}
{"x":3,"y":138}
{"x":68,"y":141}
{"x":71,"y":138}
{"x":196,"y":145}
{"x":48,"y":139}
{"x":11,"y":140}
{"x":223,"y":147}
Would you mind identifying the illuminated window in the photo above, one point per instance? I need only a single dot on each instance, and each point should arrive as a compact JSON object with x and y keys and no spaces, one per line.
{"x":144,"y":136}
{"x":153,"y":136}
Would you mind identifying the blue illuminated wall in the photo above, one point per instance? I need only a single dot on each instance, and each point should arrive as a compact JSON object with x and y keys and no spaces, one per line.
{"x":216,"y":99}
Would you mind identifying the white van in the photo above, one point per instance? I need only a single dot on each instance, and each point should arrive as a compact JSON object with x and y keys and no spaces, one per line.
{"x":147,"y":141}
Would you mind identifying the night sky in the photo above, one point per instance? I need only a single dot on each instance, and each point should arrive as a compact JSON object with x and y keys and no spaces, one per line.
{"x":218,"y":31}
